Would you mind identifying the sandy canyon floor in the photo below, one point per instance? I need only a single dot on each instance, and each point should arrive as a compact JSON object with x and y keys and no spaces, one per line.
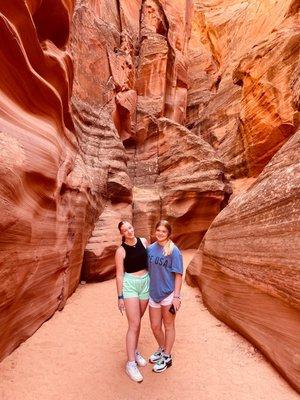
{"x":79,"y":354}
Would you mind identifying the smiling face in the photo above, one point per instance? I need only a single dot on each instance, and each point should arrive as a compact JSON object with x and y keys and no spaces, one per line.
{"x":162,"y":234}
{"x":127,"y":230}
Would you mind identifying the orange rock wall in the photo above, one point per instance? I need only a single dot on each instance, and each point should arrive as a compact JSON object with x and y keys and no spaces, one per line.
{"x":245,"y":102}
{"x":137,"y":74}
{"x":104,"y":107}
{"x":248,"y":263}
{"x":138,"y":110}
{"x":243,"y":73}
{"x":167,"y":164}
{"x":50,"y":194}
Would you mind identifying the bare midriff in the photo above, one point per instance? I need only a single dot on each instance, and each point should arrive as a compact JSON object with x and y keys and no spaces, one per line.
{"x":139,"y":273}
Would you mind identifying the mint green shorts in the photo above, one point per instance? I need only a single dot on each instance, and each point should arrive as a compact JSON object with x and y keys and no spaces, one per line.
{"x":136,"y":286}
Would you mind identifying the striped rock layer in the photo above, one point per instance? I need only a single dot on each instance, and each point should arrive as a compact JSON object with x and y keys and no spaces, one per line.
{"x":149,"y":109}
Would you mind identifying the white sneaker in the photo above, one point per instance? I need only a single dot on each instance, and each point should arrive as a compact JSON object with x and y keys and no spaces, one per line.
{"x":133,"y":372}
{"x":141,"y":362}
{"x":156,"y":356}
{"x":164,"y":363}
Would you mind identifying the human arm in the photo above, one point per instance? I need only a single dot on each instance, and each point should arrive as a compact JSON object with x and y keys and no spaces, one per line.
{"x":176,"y":298}
{"x":177,"y":269}
{"x":119,"y":259}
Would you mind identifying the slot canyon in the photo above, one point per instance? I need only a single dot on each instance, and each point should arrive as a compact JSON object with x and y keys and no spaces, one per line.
{"x":138,"y":110}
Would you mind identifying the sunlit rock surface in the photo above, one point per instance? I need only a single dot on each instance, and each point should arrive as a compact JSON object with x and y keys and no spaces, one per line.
{"x":248,"y":264}
{"x":136,"y":75}
{"x":104,"y":107}
{"x":47,"y":198}
{"x":244,"y":101}
{"x":243,"y":78}
{"x":151,"y":109}
{"x":183,"y":175}
{"x":176,"y":175}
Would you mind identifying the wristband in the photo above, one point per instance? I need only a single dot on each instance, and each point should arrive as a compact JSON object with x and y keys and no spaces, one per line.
{"x":120,"y":296}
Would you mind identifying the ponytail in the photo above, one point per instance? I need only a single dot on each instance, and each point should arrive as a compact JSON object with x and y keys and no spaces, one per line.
{"x":168,"y":248}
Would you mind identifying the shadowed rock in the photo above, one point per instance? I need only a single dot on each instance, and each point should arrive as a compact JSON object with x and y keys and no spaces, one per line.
{"x":47,"y":198}
{"x":248,"y":263}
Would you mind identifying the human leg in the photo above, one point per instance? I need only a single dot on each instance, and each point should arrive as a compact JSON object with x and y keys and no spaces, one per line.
{"x":144,"y":293}
{"x":138,"y":357}
{"x":133,"y":313}
{"x":169,"y":325}
{"x":165,"y":360}
{"x":132,"y":307}
{"x":156,"y":325}
{"x":143,"y":306}
{"x":142,"y":286}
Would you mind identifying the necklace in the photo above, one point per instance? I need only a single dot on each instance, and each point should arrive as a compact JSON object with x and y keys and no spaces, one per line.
{"x":132,"y":245}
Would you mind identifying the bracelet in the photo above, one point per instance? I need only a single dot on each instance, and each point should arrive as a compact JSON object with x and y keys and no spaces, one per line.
{"x":120,"y":296}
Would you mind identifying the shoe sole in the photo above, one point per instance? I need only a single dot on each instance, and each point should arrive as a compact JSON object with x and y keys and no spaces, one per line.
{"x":162,"y":370}
{"x":134,"y":380}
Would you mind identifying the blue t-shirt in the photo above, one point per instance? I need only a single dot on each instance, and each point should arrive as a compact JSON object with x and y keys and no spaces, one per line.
{"x":162,"y":271}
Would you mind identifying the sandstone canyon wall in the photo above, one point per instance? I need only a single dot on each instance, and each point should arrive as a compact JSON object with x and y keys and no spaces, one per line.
{"x":131,"y":69}
{"x":245,"y":102}
{"x":52,"y":188}
{"x":142,"y":109}
{"x":103,"y":75}
{"x":243,"y":80}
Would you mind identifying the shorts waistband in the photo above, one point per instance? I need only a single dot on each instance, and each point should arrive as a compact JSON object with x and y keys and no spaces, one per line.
{"x":131,"y":276}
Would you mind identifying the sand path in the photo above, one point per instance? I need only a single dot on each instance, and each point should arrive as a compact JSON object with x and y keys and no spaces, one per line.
{"x":79,"y":355}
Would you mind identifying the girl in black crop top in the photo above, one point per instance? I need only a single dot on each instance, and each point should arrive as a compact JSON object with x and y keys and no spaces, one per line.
{"x":135,"y":256}
{"x":132,"y":280}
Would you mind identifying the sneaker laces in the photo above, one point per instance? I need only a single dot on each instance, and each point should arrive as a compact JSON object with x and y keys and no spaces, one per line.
{"x":133,"y":367}
{"x":164,"y":359}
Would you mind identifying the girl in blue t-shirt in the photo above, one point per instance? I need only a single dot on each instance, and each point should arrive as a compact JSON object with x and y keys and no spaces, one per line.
{"x":165,"y":268}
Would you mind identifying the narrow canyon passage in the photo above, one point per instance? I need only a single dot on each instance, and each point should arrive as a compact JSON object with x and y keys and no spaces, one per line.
{"x":79,"y":354}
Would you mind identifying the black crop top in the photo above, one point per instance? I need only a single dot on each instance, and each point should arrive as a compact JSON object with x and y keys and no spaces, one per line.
{"x":136,"y":257}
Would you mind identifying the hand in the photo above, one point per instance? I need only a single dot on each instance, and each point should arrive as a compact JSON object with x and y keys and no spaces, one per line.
{"x":177,"y":303}
{"x":121,"y":305}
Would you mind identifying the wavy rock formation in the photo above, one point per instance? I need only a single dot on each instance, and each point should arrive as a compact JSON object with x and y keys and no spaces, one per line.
{"x":104,"y":107}
{"x":166,"y":109}
{"x":54,"y":177}
{"x":245,"y":102}
{"x":243,"y":72}
{"x":164,"y":149}
{"x":42,"y":239}
{"x":137,"y":73}
{"x":249,"y":261}
{"x":183,"y":181}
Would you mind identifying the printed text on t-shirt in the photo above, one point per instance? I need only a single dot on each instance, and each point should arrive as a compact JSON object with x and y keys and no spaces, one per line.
{"x":159,"y":261}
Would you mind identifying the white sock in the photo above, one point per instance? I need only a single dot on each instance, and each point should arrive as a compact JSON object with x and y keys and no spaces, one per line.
{"x":131,"y":363}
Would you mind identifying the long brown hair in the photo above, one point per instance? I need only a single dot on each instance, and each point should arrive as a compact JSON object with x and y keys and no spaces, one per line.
{"x":120,"y":224}
{"x":169,"y":246}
